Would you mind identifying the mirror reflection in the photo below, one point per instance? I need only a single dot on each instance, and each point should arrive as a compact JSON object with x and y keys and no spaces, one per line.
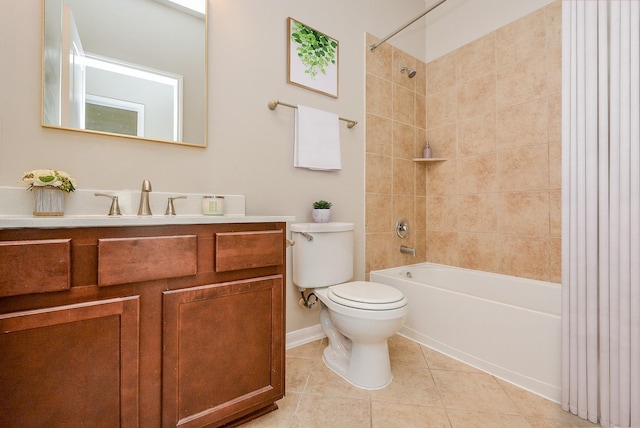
{"x":127,"y":67}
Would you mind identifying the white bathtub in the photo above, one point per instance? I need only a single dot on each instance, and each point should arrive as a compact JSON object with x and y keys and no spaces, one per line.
{"x":504,"y":325}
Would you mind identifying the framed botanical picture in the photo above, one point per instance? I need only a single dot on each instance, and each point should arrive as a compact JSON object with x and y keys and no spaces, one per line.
{"x":312,"y":60}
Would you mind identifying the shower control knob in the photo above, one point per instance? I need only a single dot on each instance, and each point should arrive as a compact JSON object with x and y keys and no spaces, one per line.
{"x":402,"y":227}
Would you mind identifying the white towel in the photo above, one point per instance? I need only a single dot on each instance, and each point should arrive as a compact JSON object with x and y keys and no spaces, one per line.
{"x":317,"y":140}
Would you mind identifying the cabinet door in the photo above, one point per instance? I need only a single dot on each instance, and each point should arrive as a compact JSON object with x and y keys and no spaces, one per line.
{"x":70,"y":366}
{"x":223,"y":351}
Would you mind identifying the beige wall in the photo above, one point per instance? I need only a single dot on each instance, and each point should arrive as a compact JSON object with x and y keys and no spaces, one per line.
{"x":493,"y":111}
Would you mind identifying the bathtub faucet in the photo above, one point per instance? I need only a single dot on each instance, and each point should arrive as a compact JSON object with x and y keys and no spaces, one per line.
{"x":407,"y":250}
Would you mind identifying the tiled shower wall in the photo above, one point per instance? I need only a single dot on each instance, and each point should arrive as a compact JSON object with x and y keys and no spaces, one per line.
{"x":493,"y":111}
{"x":395,"y":134}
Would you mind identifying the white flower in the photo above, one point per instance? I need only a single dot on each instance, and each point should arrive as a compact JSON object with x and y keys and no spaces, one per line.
{"x":49,"y":177}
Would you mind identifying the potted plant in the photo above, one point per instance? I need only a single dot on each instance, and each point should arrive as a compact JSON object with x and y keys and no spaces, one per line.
{"x":49,"y":186}
{"x":321,"y":211}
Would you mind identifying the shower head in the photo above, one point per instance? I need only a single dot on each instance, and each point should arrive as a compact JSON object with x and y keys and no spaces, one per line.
{"x":410,"y":71}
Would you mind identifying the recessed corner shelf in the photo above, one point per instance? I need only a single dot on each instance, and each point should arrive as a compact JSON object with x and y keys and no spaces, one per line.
{"x":429,"y":159}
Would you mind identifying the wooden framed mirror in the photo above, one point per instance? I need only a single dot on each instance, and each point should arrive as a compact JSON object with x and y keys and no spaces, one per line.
{"x":130,"y":68}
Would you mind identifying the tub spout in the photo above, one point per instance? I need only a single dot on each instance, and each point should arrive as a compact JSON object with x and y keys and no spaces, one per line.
{"x":407,"y":250}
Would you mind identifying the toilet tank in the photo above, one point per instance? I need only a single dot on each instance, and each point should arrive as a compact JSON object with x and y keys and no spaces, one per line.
{"x":322,"y":254}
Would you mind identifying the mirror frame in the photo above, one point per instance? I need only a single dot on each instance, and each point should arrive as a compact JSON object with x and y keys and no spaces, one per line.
{"x":132,"y":137}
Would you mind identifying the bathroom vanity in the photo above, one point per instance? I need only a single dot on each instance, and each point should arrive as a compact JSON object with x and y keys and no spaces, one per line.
{"x":141,"y":325}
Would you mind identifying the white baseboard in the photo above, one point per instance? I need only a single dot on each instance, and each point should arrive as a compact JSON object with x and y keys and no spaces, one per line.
{"x":304,"y":335}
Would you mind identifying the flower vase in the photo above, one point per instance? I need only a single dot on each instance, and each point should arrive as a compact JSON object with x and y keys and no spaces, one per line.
{"x":321,"y":215}
{"x":49,"y":201}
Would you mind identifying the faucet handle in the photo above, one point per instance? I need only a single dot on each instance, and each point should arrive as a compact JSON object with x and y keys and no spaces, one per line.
{"x":115,"y":207}
{"x":170,"y":209}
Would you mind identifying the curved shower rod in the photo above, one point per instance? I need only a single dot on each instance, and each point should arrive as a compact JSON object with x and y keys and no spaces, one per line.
{"x":375,"y":45}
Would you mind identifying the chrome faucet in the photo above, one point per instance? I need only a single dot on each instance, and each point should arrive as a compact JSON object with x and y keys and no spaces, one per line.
{"x":144,"y":208}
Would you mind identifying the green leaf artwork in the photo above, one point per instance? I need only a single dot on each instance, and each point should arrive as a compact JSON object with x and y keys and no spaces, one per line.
{"x":315,"y":50}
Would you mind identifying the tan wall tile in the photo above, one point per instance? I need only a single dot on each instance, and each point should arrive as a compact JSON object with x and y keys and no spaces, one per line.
{"x":420,"y":213}
{"x":403,"y":105}
{"x":524,"y":256}
{"x":478,"y":213}
{"x":379,"y":61}
{"x":476,"y":58}
{"x":476,"y":97}
{"x":441,"y":214}
{"x":555,"y":165}
{"x":378,"y":95}
{"x":554,"y":47}
{"x":555,"y":264}
{"x":442,"y":141}
{"x":378,"y":212}
{"x":403,"y":140}
{"x":379,"y":135}
{"x":420,"y":173}
{"x":555,"y":142}
{"x":442,"y":247}
{"x":477,"y":135}
{"x":524,"y":213}
{"x":378,"y":251}
{"x":522,"y":125}
{"x":441,"y":74}
{"x":421,"y":78}
{"x":555,"y":213}
{"x":520,"y":40}
{"x":403,"y":177}
{"x":523,"y":82}
{"x":442,"y":178}
{"x":479,"y":251}
{"x":441,"y":108}
{"x":477,"y":174}
{"x":421,"y":111}
{"x":524,"y":169}
{"x":379,"y":174}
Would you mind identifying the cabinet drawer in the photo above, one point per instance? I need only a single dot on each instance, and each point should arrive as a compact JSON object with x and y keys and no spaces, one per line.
{"x":246,"y":250}
{"x":29,"y":267}
{"x":126,"y":260}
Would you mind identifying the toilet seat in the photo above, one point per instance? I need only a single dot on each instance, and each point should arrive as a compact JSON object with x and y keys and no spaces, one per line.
{"x":367,"y":295}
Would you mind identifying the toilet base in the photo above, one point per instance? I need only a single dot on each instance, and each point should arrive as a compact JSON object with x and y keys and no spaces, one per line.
{"x":364,"y":365}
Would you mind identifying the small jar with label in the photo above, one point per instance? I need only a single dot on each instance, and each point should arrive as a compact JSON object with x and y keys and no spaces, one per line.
{"x":213,"y":205}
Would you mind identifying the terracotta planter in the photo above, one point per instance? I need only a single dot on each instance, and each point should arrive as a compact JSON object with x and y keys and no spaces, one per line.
{"x":321,"y":215}
{"x":49,"y":201}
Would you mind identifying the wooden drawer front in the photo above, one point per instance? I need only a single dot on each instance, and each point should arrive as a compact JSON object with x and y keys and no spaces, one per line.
{"x":125,"y":260}
{"x":246,"y":250}
{"x":29,"y":267}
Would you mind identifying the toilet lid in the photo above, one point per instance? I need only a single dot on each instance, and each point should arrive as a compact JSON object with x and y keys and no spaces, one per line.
{"x":367,"y":295}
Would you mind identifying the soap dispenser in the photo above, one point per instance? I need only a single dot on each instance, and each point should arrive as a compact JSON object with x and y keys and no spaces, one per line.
{"x":427,"y":151}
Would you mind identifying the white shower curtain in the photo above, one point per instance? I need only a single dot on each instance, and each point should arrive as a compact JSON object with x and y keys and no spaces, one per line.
{"x":601,"y":211}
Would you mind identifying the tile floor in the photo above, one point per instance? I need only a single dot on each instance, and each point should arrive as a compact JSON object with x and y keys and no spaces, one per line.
{"x":429,"y":389}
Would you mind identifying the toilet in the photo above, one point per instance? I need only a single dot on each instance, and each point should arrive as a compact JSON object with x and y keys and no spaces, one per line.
{"x":356,"y":316}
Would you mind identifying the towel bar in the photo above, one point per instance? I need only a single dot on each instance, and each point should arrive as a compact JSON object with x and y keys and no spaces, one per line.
{"x":273,"y":104}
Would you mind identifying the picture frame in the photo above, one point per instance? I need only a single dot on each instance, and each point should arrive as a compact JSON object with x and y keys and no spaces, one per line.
{"x":312,"y":59}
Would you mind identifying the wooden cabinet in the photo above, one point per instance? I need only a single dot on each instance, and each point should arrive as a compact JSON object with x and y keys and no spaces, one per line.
{"x":54,"y":358}
{"x":218,"y":359}
{"x":141,"y":326}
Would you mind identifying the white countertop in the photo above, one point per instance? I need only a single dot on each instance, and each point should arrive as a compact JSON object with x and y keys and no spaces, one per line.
{"x":71,"y":221}
{"x":84,"y":209}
